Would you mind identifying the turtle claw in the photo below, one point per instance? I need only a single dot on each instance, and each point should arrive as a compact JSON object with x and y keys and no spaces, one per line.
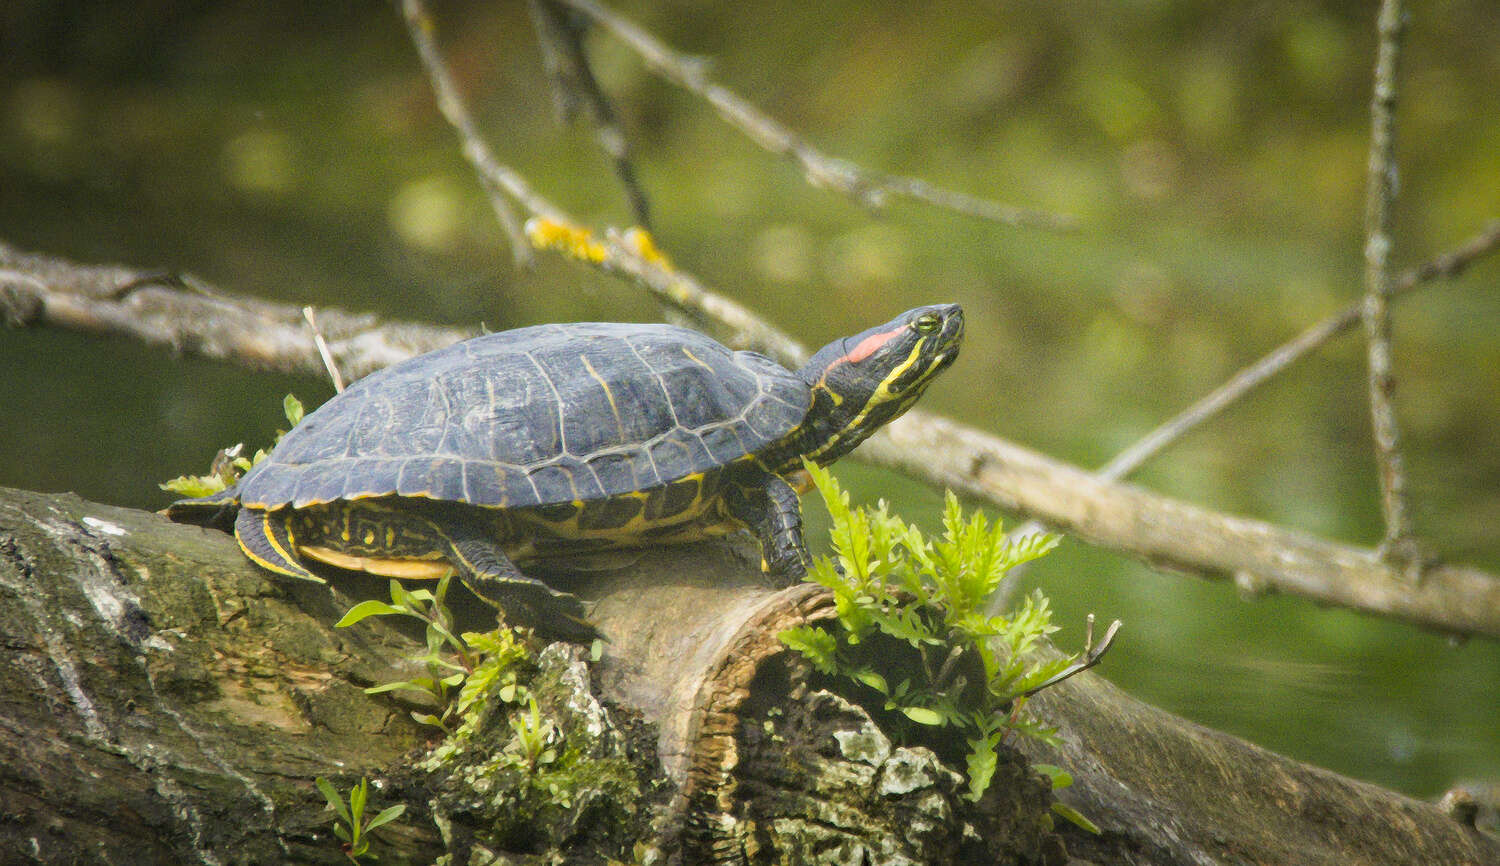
{"x":549,"y":613}
{"x":552,"y":622}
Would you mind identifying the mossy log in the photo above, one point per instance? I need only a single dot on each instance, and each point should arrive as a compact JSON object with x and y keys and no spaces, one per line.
{"x":163,"y":701}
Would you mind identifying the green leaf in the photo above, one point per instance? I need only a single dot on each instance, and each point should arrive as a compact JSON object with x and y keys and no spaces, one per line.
{"x":194,"y":486}
{"x":395,"y":686}
{"x":366,"y":609}
{"x":923,"y":715}
{"x":1060,"y":778}
{"x":817,"y":645}
{"x":331,"y":794}
{"x":982,"y":761}
{"x":357,"y":796}
{"x":386,"y":816}
{"x":872,"y":679}
{"x":292,"y":407}
{"x":1075,"y":816}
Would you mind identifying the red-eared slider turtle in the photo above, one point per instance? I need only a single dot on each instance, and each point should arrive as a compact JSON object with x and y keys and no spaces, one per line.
{"x":566,"y":438}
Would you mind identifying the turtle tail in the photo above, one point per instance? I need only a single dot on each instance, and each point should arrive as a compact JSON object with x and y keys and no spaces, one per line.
{"x":267,"y":540}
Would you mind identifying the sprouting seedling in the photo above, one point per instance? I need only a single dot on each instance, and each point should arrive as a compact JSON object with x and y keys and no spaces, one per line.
{"x":460,"y":670}
{"x":349,"y":817}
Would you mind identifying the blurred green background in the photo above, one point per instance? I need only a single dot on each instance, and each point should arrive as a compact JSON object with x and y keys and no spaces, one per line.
{"x":1214,"y":154}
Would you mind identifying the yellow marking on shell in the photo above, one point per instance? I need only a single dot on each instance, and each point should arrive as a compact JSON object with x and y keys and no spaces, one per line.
{"x":610,"y":395}
{"x":637,"y":526}
{"x":565,"y":237}
{"x":403,"y":568}
{"x":369,"y":538}
{"x":266,"y":564}
{"x":270,"y":539}
{"x":697,"y":360}
{"x":272,"y":567}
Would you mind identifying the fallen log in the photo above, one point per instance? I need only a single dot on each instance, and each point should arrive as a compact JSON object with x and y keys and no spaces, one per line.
{"x":162,"y":700}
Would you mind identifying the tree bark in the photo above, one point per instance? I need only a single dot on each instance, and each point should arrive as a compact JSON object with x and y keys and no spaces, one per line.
{"x":162,"y":700}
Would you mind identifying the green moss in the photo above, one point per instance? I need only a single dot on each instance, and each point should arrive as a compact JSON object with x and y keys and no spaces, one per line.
{"x":551,"y":774}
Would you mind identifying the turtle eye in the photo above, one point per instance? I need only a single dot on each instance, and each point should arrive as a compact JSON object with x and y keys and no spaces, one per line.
{"x":927,"y":323}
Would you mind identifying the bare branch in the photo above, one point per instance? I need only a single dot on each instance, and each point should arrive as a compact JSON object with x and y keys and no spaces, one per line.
{"x":150,"y":307}
{"x":1172,"y":534}
{"x":1399,"y":545}
{"x":560,"y":35}
{"x":37,"y":290}
{"x":871,"y":189}
{"x":1446,"y":266}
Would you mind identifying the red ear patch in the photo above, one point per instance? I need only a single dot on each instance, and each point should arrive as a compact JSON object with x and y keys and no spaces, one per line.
{"x":868,"y":345}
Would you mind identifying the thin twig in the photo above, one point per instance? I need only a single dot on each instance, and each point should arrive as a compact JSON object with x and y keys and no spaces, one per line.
{"x":419,"y":24}
{"x":560,"y":35}
{"x":872,"y":189}
{"x":1092,"y":655}
{"x":322,"y":344}
{"x":1445,"y":266}
{"x":1399,"y":546}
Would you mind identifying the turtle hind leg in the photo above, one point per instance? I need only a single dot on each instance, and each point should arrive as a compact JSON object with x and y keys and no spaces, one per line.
{"x":266,"y":539}
{"x":485,"y":569}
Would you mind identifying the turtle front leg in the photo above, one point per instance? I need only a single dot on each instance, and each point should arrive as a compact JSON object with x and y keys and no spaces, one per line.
{"x":485,"y":569}
{"x":770,"y":508}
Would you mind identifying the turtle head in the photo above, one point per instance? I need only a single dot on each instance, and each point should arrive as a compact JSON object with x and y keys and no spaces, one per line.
{"x":861,"y":382}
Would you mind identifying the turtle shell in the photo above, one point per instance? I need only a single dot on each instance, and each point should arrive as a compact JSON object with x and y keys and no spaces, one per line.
{"x":536,"y":416}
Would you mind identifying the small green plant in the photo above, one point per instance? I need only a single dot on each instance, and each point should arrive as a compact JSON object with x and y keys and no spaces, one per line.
{"x":230,"y":464}
{"x":533,"y":744}
{"x":349,"y":822}
{"x":1060,"y":779}
{"x":965,"y":669}
{"x":462,"y":670}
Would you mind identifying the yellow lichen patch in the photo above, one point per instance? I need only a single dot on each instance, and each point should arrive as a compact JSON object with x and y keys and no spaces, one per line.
{"x":640,"y":242}
{"x":550,"y":234}
{"x":406,"y":569}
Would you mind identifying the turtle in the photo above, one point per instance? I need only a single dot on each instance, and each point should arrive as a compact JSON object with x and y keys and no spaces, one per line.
{"x":565,"y":439}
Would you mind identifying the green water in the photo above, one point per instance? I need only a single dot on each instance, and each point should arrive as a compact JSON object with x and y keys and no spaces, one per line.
{"x":1214,"y":156}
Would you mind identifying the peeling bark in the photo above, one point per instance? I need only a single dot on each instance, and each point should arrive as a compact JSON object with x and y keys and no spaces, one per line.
{"x":162,"y":700}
